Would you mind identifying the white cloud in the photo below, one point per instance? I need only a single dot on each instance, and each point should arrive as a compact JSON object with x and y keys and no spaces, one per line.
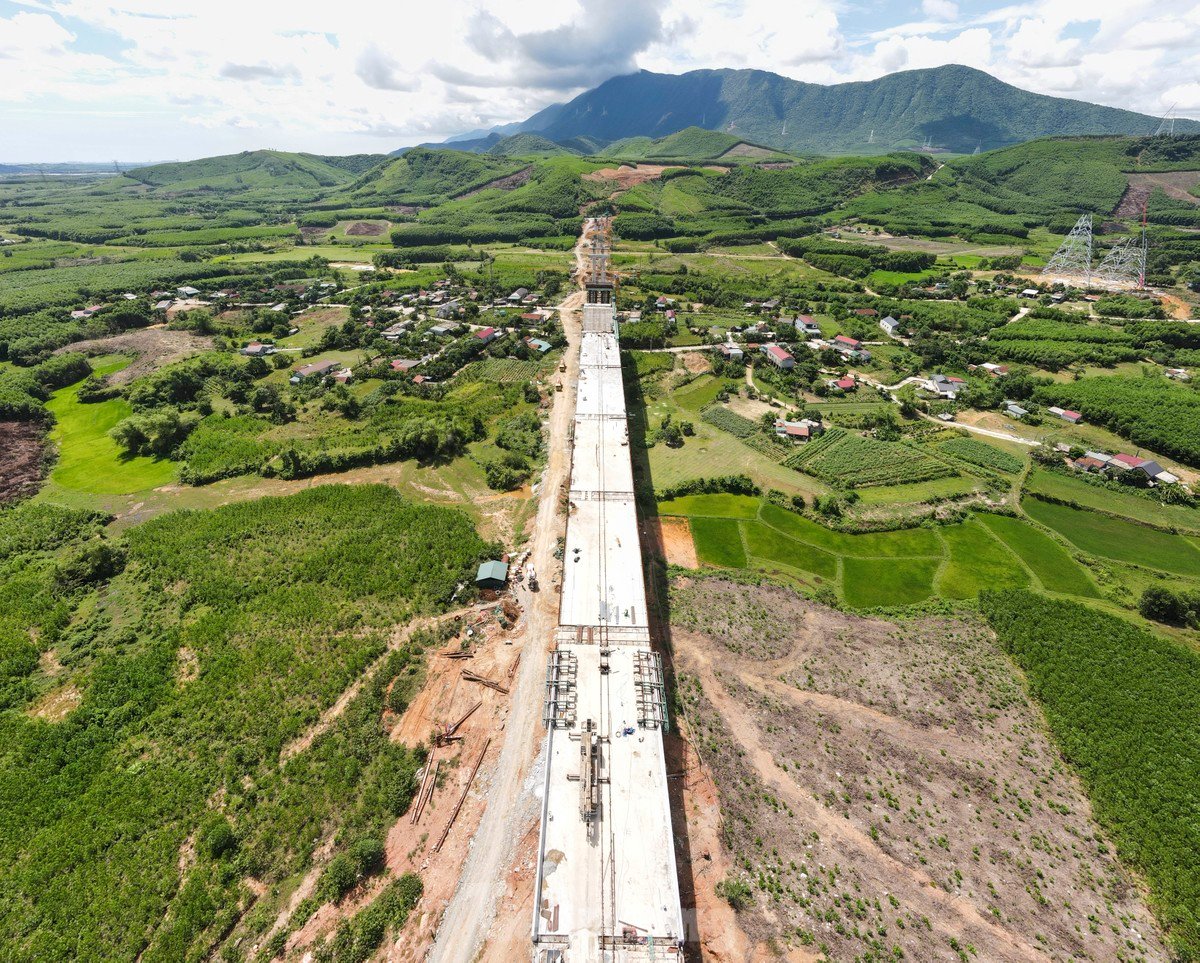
{"x":940,"y":9}
{"x":382,"y":71}
{"x":144,"y":78}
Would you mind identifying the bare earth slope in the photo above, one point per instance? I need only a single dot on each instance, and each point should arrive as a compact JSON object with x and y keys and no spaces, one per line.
{"x":886,"y":786}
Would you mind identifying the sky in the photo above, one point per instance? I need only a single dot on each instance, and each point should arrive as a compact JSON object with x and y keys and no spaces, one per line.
{"x":147,"y":80}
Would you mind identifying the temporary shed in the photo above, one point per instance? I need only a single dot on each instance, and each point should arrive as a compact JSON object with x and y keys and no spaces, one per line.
{"x":492,"y":574}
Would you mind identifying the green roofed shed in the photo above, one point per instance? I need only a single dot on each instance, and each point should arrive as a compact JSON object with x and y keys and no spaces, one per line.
{"x":492,"y":574}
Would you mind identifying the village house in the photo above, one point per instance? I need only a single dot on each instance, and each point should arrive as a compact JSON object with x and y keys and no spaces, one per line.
{"x":1177,"y":374}
{"x":487,"y":335}
{"x":798,"y":432}
{"x":890,"y":326}
{"x":1066,"y":414}
{"x":866,"y":312}
{"x":396,"y":331}
{"x":843,"y":384}
{"x":538,"y":345}
{"x":315,"y":369}
{"x":992,"y":369}
{"x":256,"y":349}
{"x":518,"y":295}
{"x":1030,"y":293}
{"x":805,"y":324}
{"x":445,"y":327}
{"x":947,"y":387}
{"x":845,"y":344}
{"x":1014,"y":410}
{"x":187,"y":292}
{"x":779,"y":357}
{"x":731,"y":351}
{"x":404,"y":364}
{"x":449,"y":309}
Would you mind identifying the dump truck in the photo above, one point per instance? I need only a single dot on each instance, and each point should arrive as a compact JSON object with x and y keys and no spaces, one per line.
{"x":531,"y":577}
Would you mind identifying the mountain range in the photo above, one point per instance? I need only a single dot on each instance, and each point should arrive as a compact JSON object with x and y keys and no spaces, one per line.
{"x":952,"y":108}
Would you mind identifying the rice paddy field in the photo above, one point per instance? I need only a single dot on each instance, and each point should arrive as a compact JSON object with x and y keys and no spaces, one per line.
{"x":1118,"y":539}
{"x":880,"y":569}
{"x":1131,"y":506}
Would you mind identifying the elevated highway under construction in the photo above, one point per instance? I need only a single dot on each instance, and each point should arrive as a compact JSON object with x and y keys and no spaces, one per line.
{"x":606,"y":887}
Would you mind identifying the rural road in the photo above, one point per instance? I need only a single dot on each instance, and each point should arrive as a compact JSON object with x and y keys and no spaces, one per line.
{"x":469,"y":915}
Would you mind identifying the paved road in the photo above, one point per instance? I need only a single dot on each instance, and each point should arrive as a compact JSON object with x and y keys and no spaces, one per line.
{"x":469,"y":915}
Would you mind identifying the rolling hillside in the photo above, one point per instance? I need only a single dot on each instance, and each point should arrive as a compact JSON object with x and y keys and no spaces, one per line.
{"x":953,"y":107}
{"x":690,"y":144}
{"x":423,"y":176}
{"x":253,"y":169}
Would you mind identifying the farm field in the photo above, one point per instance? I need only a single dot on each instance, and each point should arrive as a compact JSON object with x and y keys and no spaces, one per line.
{"x":879,"y":569}
{"x":1050,"y":563}
{"x":1139,"y":509}
{"x":1118,"y":539}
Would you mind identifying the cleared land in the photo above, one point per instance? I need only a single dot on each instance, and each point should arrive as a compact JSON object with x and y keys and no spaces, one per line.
{"x":889,"y":788}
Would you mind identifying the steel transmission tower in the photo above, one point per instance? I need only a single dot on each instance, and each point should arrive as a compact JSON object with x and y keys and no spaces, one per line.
{"x":1074,"y":256}
{"x":1124,"y":264}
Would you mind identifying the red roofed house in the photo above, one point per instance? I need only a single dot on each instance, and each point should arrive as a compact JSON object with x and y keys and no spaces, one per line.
{"x":1126,"y":462}
{"x":846,"y":384}
{"x":487,"y":335}
{"x":866,"y":312}
{"x":1066,"y":414}
{"x":843,"y":343}
{"x":798,"y":431}
{"x":778,"y":356}
{"x":403,"y":364}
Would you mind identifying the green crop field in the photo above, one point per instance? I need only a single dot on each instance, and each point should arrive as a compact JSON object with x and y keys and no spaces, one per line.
{"x":1129,"y":505}
{"x":895,"y":568}
{"x":1118,"y":539}
{"x":978,"y":561}
{"x":717,"y":506}
{"x":1050,"y":563}
{"x":871,"y":582}
{"x":718,"y":541}
{"x":770,"y":544}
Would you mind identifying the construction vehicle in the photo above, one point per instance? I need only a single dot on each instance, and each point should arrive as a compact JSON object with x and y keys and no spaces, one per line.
{"x":531,"y":577}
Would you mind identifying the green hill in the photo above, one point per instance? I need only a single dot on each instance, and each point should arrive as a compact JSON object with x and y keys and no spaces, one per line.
{"x":1042,"y":183}
{"x":690,"y":144}
{"x":527,"y":145}
{"x":952,"y":107}
{"x":424,"y":176}
{"x":249,"y":170}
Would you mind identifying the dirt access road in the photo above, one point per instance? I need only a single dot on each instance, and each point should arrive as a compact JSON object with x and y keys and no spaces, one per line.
{"x":470,"y":914}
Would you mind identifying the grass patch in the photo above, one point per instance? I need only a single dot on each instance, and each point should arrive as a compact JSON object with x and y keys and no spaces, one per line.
{"x":977,"y":562}
{"x":1118,"y":539}
{"x":718,"y":542}
{"x":717,"y":506}
{"x":917,"y":492}
{"x":904,"y":543}
{"x":88,"y":459}
{"x":870,"y":582}
{"x":770,"y":544}
{"x":1050,"y":562}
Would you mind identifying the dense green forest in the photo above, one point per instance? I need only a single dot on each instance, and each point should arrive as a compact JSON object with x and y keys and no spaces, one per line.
{"x":192,"y":650}
{"x":1121,"y":703}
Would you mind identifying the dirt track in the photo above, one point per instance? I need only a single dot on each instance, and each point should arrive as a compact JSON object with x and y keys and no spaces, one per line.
{"x":499,"y":852}
{"x":1175,"y":184}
